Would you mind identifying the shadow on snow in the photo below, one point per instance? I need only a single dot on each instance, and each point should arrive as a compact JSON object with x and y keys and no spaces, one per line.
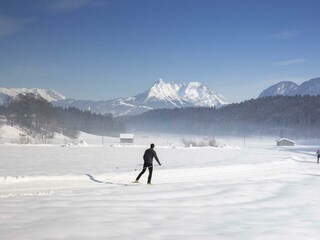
{"x":98,"y":181}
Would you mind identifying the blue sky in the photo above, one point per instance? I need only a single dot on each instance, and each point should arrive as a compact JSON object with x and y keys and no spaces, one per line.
{"x":102,"y":49}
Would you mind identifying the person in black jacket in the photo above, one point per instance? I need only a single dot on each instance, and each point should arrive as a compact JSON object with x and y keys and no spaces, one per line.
{"x":318,"y":155}
{"x":148,"y":156}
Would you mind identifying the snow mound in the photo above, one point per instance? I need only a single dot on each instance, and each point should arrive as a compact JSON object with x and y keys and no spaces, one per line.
{"x":10,"y":132}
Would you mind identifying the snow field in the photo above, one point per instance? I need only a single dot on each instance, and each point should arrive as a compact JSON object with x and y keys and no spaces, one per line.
{"x":256,"y":192}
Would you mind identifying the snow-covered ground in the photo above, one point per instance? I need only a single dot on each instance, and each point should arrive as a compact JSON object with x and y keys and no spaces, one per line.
{"x":84,"y":191}
{"x":13,"y":135}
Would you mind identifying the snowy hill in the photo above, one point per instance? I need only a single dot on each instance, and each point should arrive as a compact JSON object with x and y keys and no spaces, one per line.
{"x":9,"y":132}
{"x":281,"y":88}
{"x":160,"y":95}
{"x":50,"y":95}
{"x":286,"y":88}
{"x":17,"y":135}
{"x":311,"y":87}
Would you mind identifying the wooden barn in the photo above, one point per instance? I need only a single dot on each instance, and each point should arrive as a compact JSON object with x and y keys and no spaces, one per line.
{"x":126,"y":138}
{"x":285,"y":142}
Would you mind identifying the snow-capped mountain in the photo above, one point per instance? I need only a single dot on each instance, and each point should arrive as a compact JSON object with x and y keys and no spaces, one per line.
{"x":310,"y":87}
{"x":281,"y":88}
{"x":160,"y":95}
{"x":8,"y":93}
{"x":201,"y":95}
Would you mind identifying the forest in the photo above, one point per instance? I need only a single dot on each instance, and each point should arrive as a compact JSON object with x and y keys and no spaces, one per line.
{"x":284,"y":116}
{"x":39,"y":118}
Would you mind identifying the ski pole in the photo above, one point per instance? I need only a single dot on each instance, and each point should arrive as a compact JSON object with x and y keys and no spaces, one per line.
{"x":117,"y":168}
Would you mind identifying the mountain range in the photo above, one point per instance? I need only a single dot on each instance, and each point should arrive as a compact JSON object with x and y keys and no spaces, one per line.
{"x":287,"y":88}
{"x":8,"y":93}
{"x":160,"y":95}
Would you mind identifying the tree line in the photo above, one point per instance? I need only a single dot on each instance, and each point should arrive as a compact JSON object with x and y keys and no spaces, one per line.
{"x":294,"y":116}
{"x":40,"y":118}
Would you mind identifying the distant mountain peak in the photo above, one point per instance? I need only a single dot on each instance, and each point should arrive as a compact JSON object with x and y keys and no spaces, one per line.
{"x":310,"y":87}
{"x":281,"y":88}
{"x":162,"y":91}
{"x":159,"y":81}
{"x":160,"y":95}
{"x":288,"y":88}
{"x":180,"y":95}
{"x":10,"y":93}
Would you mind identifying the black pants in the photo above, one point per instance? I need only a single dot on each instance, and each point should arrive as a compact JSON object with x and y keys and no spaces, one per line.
{"x":318,"y":158}
{"x":145,"y":166}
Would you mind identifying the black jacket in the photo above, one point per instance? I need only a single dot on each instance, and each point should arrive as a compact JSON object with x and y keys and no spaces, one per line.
{"x":148,"y":156}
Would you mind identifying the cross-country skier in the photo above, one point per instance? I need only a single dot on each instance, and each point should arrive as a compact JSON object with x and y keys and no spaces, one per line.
{"x":148,"y":156}
{"x":318,"y":155}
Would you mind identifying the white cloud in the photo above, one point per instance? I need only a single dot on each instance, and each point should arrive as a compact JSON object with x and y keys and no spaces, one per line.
{"x":284,"y":34}
{"x":290,"y":61}
{"x":10,"y":26}
{"x":59,"y":6}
